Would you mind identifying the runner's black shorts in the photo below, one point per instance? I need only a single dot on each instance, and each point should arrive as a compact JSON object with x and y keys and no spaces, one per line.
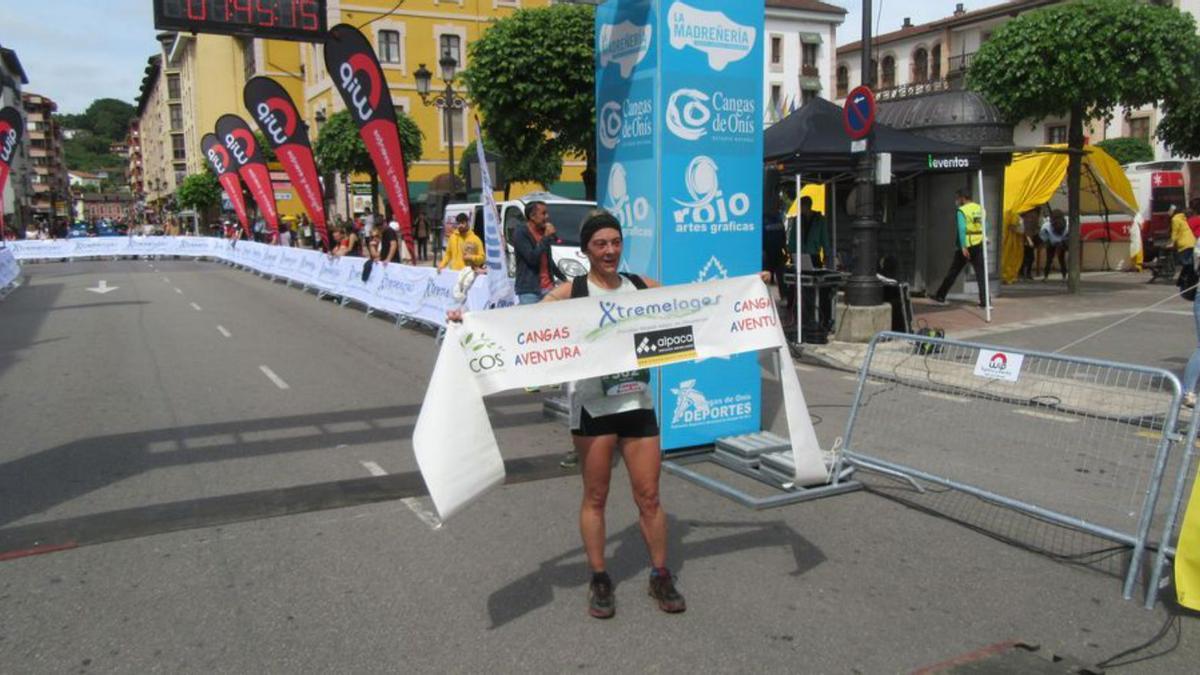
{"x":639,"y":423}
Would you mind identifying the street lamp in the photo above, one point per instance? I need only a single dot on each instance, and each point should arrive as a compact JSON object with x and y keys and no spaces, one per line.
{"x":448,"y":100}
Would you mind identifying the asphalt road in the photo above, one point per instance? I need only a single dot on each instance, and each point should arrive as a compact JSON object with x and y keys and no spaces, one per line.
{"x":216,"y":471}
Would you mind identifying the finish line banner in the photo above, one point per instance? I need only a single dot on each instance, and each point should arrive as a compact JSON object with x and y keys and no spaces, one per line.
{"x":538,"y":345}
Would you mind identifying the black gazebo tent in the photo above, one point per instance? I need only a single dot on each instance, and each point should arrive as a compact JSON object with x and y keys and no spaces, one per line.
{"x":812,"y":140}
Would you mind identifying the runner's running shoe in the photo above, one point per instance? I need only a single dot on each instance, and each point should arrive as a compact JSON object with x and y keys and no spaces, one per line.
{"x":602,"y":603}
{"x":662,"y":589}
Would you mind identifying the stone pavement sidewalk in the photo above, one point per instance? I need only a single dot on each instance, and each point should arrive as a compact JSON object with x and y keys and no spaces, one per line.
{"x":1115,"y":295}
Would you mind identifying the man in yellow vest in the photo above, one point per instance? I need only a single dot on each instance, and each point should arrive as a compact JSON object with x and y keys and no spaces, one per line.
{"x":970,"y":246}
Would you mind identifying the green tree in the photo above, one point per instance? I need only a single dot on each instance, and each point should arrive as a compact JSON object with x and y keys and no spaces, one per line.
{"x":1082,"y":60}
{"x":542,"y":167}
{"x":539,"y":62}
{"x":339,"y":148}
{"x":267,"y":151}
{"x":200,"y":192}
{"x":1127,"y":149}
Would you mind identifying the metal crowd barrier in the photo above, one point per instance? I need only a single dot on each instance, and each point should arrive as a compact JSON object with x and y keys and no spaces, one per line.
{"x":1184,"y":484}
{"x":1077,"y":442}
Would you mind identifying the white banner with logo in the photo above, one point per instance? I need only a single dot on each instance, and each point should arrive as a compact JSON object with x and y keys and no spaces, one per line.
{"x":537,"y":345}
{"x":420,"y":293}
{"x":10,"y":269}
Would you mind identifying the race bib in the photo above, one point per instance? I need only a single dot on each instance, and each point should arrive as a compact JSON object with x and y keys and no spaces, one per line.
{"x":629,"y":382}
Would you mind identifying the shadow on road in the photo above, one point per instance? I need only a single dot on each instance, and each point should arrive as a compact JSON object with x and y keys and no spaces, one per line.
{"x":628,"y":560}
{"x":45,"y":479}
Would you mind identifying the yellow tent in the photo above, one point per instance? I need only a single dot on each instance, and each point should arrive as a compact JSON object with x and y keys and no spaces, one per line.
{"x":814,"y":190}
{"x":1037,"y":178}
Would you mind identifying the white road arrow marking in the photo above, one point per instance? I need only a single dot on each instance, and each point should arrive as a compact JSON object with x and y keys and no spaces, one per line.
{"x":102,"y":288}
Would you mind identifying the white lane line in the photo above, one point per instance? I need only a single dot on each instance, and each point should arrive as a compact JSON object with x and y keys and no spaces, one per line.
{"x":1047,"y":416}
{"x":166,"y":280}
{"x":178,"y":291}
{"x":274,"y":378}
{"x":197,"y":307}
{"x":374,"y":469}
{"x":422,"y":507}
{"x":223,"y":331}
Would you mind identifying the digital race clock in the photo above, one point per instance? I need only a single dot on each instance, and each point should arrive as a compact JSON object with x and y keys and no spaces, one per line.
{"x":303,"y":20}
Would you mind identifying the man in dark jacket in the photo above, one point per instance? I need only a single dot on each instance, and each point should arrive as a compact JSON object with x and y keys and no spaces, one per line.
{"x":536,"y":272}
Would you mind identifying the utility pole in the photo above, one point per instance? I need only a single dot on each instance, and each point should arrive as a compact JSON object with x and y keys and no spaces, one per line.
{"x":864,"y":289}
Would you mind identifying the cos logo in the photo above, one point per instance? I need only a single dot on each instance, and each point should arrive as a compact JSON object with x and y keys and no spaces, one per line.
{"x":487,"y":362}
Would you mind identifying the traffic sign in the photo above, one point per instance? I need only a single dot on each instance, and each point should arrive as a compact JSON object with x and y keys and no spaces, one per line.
{"x":858,"y":113}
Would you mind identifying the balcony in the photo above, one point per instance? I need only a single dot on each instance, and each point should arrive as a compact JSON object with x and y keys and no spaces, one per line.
{"x":809,"y":70}
{"x":959,"y":64}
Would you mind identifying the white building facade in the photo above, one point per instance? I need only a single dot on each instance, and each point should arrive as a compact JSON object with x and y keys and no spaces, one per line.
{"x":799,"y":53}
{"x":928,"y":57}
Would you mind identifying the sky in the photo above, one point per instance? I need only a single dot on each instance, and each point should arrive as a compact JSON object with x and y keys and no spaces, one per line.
{"x":76,"y":51}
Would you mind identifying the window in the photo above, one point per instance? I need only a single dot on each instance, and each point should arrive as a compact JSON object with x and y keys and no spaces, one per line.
{"x":776,"y":97}
{"x":172,"y":86}
{"x":389,"y":47}
{"x":935,"y":63}
{"x":176,"y":117}
{"x":180,"y":174}
{"x":807,"y":95}
{"x":178,"y":149}
{"x":808,"y":55}
{"x":888,"y":74}
{"x":1056,"y":133}
{"x":776,"y":50}
{"x":1139,"y":127}
{"x":843,"y":81}
{"x":451,"y":45}
{"x":920,"y":66}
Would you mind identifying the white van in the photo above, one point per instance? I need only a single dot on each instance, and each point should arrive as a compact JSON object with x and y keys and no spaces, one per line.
{"x":567,"y":215}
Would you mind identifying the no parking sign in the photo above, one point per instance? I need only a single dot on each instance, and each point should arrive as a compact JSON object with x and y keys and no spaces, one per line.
{"x":858,"y":112}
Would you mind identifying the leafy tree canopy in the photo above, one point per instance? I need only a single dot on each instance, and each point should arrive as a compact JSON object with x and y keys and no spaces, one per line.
{"x":542,"y":167}
{"x":539,"y":62}
{"x":199,"y":191}
{"x":1127,"y":149}
{"x":339,"y":147}
{"x":1083,"y":59}
{"x":1088,"y":56}
{"x":106,"y":121}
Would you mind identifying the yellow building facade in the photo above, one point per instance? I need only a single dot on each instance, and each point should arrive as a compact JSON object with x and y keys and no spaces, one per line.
{"x":200,"y":78}
{"x":405,"y":37}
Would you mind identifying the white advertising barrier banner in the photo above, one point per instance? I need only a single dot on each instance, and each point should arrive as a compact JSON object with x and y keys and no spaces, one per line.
{"x":418,"y":292}
{"x":10,"y":269}
{"x":537,"y":345}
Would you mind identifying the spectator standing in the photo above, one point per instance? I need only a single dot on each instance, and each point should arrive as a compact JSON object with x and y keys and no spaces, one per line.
{"x":463,"y":248}
{"x":535,"y":271}
{"x":1182,"y":238}
{"x":1054,"y":236}
{"x":389,"y":243}
{"x":421,"y":232}
{"x":1026,"y":229}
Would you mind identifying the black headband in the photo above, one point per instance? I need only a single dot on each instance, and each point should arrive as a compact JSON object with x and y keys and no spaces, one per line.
{"x":595,"y":222}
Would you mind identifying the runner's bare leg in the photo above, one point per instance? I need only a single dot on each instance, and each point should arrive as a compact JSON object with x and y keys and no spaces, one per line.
{"x":643,"y":458}
{"x":595,"y":460}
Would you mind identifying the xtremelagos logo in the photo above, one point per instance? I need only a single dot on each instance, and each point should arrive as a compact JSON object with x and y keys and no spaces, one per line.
{"x":724,"y":41}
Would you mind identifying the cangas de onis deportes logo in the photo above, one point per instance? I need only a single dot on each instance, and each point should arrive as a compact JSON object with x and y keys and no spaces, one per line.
{"x":693,"y":408}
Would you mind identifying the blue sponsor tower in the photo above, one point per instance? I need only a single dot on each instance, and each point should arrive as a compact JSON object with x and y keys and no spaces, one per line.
{"x":679,"y":142}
